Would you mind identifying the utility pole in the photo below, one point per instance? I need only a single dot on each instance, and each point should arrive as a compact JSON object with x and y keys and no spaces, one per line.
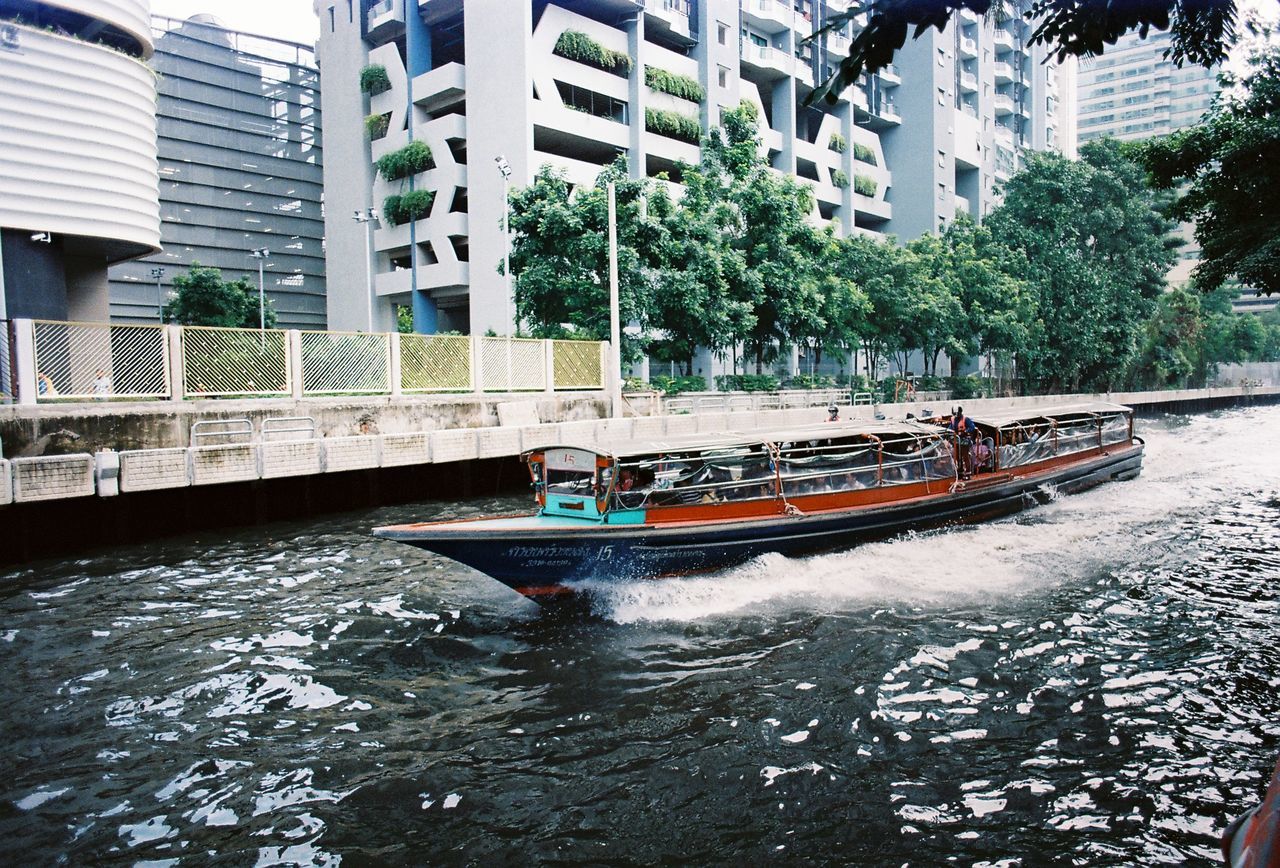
{"x":505,"y":168}
{"x":370,"y":219}
{"x":261,"y":254}
{"x":615,"y":326}
{"x":157,"y":273}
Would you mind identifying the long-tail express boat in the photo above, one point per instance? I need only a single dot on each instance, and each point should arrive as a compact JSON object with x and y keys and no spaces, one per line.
{"x":681,"y":505}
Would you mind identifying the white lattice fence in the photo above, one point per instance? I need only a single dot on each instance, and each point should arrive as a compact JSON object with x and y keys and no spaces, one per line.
{"x":525,"y":369}
{"x":6,"y":366}
{"x":435,"y":363}
{"x":577,"y":365}
{"x":345,"y":363}
{"x":225,"y":362}
{"x":100,"y":361}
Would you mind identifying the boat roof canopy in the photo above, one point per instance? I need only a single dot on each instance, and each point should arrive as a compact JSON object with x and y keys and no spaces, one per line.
{"x":1012,"y":415}
{"x":711,"y":442}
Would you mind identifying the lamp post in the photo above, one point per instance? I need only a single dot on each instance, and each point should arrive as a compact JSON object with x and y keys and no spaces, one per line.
{"x":157,"y":273}
{"x":505,"y":168}
{"x":615,"y":337}
{"x":370,"y":219}
{"x":261,"y":254}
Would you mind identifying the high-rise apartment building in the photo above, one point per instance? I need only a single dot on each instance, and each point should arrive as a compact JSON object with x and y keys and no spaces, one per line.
{"x":240,"y":170}
{"x":576,"y":83}
{"x":77,"y":153}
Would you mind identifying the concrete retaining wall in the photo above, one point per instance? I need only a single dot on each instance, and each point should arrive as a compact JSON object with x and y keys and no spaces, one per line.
{"x":153,"y":469}
{"x":6,"y":483}
{"x":52,"y":478}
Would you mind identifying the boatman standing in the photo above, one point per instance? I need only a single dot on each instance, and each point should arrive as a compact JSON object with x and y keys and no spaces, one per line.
{"x":965,"y":430}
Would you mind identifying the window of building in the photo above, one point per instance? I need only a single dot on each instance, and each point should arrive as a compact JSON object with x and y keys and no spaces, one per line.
{"x":331,"y":20}
{"x":350,"y":12}
{"x":722,"y":33}
{"x":723,"y":76}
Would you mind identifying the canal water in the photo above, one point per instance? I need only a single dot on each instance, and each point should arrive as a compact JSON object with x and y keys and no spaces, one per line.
{"x":1095,"y":682}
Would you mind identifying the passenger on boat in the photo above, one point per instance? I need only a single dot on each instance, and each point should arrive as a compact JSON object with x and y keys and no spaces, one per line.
{"x":833,"y":413}
{"x":965,"y":430}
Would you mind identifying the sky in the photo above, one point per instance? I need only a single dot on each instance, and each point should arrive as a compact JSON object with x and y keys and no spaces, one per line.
{"x":293,"y":20}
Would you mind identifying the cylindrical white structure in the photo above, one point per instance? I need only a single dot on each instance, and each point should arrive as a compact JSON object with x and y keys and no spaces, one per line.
{"x":78,"y":170}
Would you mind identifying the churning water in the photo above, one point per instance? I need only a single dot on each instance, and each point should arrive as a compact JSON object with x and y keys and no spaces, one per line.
{"x":1096,"y":681}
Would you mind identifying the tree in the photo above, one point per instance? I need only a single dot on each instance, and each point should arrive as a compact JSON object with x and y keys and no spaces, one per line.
{"x":1229,"y":164}
{"x":992,"y":293}
{"x":1202,"y":30}
{"x":1096,"y":254}
{"x":203,"y":298}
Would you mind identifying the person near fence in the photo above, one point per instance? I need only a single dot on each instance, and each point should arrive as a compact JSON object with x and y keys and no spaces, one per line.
{"x":833,"y":413}
{"x":101,"y":385}
{"x":44,"y":386}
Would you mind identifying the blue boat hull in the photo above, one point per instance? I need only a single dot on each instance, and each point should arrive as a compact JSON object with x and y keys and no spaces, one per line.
{"x":538,"y":562}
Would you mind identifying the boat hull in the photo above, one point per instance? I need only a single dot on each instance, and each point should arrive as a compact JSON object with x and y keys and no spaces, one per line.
{"x":539,"y":562}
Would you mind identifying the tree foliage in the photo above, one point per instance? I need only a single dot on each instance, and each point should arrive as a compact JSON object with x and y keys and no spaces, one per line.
{"x":1230,"y":164}
{"x":1096,"y":254}
{"x":1202,"y":30}
{"x":203,"y":298}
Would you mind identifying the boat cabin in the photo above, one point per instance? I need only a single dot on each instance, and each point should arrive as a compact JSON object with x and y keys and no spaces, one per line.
{"x":739,"y":475}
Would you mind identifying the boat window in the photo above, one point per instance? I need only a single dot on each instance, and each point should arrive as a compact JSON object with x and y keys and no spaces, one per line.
{"x":1115,"y":429}
{"x":577,"y":482}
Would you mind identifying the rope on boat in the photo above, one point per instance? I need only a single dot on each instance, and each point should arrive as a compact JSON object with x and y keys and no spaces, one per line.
{"x":788,"y":508}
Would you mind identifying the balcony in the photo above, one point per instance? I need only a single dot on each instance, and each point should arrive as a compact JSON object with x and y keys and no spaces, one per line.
{"x":968,"y":82}
{"x":968,"y":47}
{"x":768,"y":16}
{"x":671,"y":16}
{"x":968,"y":16}
{"x":765,"y":59}
{"x":1003,"y":104}
{"x":1003,"y":39}
{"x":1003,"y":72}
{"x":838,"y":44}
{"x":889,"y":76}
{"x":385,"y":20}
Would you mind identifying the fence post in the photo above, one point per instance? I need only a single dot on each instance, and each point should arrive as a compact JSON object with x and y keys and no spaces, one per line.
{"x":604,"y":365}
{"x":549,"y":360}
{"x":293,"y":363}
{"x":393,"y":362}
{"x":175,"y":367}
{"x":24,"y":351}
{"x":477,"y":370}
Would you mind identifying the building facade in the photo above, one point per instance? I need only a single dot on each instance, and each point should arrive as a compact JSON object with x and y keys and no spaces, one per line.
{"x":240,"y":170}
{"x":530,"y":83}
{"x":77,"y":153}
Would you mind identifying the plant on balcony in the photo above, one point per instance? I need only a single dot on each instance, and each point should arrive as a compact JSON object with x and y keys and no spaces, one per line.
{"x":864,"y":154}
{"x":374,"y":80}
{"x":407,"y":207}
{"x":838,"y":144}
{"x":864,"y":185}
{"x":413,"y":158}
{"x":376,"y":125}
{"x":673,"y":125}
{"x":677,"y":85}
{"x":579,"y":46}
{"x":839,"y":178}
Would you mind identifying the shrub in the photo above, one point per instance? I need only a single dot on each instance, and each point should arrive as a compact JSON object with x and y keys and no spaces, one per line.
{"x":376,"y":125}
{"x":840,"y":179}
{"x":374,"y":80}
{"x":578,"y":46}
{"x":817,"y":381}
{"x":838,"y":144}
{"x":864,"y":154}
{"x":673,"y":125}
{"x":413,"y":158}
{"x":677,"y":85}
{"x":406,"y":207}
{"x":674,"y":385}
{"x":633,"y":384}
{"x":929,"y":384}
{"x":859,"y":383}
{"x":746,"y":383}
{"x":965,"y":387}
{"x":864,"y":186}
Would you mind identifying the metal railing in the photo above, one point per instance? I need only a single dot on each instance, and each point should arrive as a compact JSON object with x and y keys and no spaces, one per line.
{"x":101,"y":361}
{"x":96,"y":361}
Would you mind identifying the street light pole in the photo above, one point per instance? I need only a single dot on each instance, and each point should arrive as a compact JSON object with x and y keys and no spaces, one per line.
{"x":157,"y":273}
{"x":370,"y":219}
{"x":505,"y":168}
{"x":261,"y":254}
{"x":615,"y":324}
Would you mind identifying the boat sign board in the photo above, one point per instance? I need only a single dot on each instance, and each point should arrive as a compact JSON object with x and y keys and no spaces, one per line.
{"x":561,"y":458}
